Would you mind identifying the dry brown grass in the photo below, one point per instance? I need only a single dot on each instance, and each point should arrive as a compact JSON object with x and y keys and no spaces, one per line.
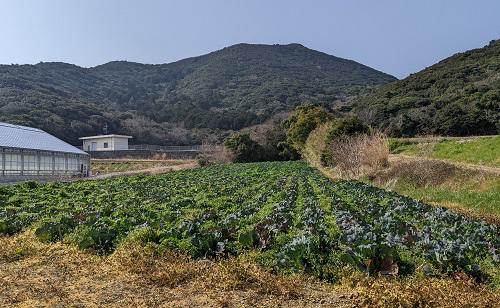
{"x":215,"y":154}
{"x":106,"y":166}
{"x":37,"y":274}
{"x":351,"y":157}
{"x":426,"y":172}
{"x":360,"y":156}
{"x":447,"y":292}
{"x":405,"y":174}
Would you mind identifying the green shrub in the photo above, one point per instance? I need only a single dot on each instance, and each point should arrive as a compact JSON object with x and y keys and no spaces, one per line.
{"x":286,"y":151}
{"x":305,"y":119}
{"x":203,"y":162}
{"x":348,"y":126}
{"x":243,"y":147}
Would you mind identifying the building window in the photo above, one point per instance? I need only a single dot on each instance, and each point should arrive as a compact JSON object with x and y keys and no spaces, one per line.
{"x":105,"y":145}
{"x":46,"y":165}
{"x":60,"y":163}
{"x":12,"y":163}
{"x":73,"y":164}
{"x":30,"y":163}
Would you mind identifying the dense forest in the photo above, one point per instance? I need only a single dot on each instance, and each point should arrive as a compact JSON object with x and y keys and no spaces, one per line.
{"x":183,"y":102}
{"x":458,"y":96}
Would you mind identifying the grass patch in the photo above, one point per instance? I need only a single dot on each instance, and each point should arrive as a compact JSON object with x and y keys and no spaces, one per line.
{"x":482,"y":199}
{"x":481,"y":150}
{"x":473,"y":192}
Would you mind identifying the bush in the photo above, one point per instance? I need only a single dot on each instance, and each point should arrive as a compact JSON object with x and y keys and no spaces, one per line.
{"x":351,"y":156}
{"x":286,"y":151}
{"x":341,"y":145}
{"x":214,"y":154}
{"x":305,"y":119}
{"x":243,"y":148}
{"x":203,"y":162}
{"x":357,"y":156}
{"x":315,"y":145}
{"x":348,"y":146}
{"x":348,"y":126}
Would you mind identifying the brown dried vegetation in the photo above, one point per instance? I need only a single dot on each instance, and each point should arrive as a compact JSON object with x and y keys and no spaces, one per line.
{"x":33,"y":273}
{"x":348,"y":157}
{"x":37,"y":274}
{"x":214,"y":154}
{"x":443,"y":292}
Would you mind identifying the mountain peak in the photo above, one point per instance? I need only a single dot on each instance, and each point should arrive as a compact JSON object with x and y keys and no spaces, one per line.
{"x":184,"y":101}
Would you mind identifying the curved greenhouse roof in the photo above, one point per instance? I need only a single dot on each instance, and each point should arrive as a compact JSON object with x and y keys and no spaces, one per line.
{"x":23,"y":137}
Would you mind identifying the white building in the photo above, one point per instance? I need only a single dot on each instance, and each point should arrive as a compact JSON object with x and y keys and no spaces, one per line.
{"x":105,"y":143}
{"x":27,"y":152}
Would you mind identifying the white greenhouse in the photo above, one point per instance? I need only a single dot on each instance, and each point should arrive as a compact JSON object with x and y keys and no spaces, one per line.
{"x":27,"y":152}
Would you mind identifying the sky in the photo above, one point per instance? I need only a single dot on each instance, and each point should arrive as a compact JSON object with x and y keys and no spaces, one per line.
{"x":398,"y":37}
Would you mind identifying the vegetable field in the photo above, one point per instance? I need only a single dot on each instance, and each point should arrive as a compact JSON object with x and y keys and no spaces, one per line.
{"x":286,"y":214}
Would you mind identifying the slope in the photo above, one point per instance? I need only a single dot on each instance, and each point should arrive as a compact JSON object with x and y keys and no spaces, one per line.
{"x":180,"y":102}
{"x":458,"y":96}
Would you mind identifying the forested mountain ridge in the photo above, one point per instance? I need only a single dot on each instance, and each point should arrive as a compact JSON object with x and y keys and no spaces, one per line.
{"x":460,"y":95}
{"x":181,"y":102}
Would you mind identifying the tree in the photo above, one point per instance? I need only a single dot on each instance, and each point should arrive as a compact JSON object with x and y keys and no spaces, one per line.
{"x":348,"y":126}
{"x":304,"y":120}
{"x":243,"y":147}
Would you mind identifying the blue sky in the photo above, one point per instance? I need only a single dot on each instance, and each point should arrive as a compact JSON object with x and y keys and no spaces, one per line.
{"x":397,"y":37}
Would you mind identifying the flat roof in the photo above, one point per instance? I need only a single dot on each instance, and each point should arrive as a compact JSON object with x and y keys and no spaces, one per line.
{"x":23,"y":137}
{"x":105,"y":136}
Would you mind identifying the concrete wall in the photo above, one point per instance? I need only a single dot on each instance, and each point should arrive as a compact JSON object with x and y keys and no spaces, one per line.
{"x":120,"y":144}
{"x":144,"y":154}
{"x":114,"y":144}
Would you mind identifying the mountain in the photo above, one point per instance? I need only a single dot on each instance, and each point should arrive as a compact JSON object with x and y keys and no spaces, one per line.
{"x":458,"y":96}
{"x":181,"y":102}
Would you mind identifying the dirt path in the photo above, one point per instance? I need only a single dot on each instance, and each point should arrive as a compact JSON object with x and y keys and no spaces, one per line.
{"x":402,"y":157}
{"x":154,"y":170}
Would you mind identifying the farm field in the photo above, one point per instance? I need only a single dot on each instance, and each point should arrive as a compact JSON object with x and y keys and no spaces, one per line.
{"x":107,"y":166}
{"x":287,"y":216}
{"x":474,"y":150}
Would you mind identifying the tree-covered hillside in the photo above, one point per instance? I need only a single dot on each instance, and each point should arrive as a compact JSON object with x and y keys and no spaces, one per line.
{"x":181,"y":102}
{"x":457,"y":96}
